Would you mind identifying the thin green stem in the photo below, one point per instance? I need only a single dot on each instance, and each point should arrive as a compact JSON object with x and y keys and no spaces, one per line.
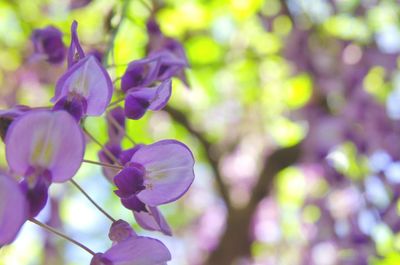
{"x":116,"y":80}
{"x":108,"y":152}
{"x":102,"y":164}
{"x":92,"y":201}
{"x":119,"y":127}
{"x":115,"y":102}
{"x":147,"y":5}
{"x":110,"y":46}
{"x":54,"y":231}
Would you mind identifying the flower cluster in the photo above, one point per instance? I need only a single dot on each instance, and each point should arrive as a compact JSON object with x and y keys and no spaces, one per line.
{"x":47,"y":145}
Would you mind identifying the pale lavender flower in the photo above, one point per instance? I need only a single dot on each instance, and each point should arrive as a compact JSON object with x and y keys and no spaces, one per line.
{"x":156,"y":174}
{"x":13,"y":209}
{"x":137,"y":102}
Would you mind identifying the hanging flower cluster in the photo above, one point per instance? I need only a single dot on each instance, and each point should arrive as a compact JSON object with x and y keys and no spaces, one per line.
{"x":47,"y":145}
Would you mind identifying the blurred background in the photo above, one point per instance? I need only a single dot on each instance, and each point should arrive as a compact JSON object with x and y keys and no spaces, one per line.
{"x":292,"y":115}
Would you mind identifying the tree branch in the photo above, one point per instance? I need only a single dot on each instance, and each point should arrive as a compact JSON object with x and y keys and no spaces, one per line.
{"x":236,"y":240}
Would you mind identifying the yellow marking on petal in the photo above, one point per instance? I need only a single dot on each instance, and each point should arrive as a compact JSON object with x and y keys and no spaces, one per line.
{"x":44,"y":144}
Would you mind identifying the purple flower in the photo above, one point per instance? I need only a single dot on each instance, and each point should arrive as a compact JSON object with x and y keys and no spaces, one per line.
{"x":170,"y":64}
{"x":48,"y":43}
{"x":134,"y":251}
{"x":86,"y":88}
{"x":138,"y":101}
{"x":156,"y":174}
{"x":120,"y":230}
{"x":126,"y":155}
{"x":43,"y":140}
{"x":158,"y":43}
{"x":74,"y":4}
{"x":12,"y":209}
{"x":140,"y":73}
{"x":159,"y":66}
{"x":43,"y":147}
{"x":129,"y":248}
{"x":152,"y":220}
{"x":75,"y":51}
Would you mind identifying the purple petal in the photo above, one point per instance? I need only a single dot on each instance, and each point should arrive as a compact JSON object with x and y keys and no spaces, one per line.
{"x":153,"y":221}
{"x":138,"y":251}
{"x":48,"y":42}
{"x":129,"y":181}
{"x":75,"y":105}
{"x":13,"y":212}
{"x":75,"y":51}
{"x":35,"y":186}
{"x":120,"y":230}
{"x":132,"y":202}
{"x":163,"y":93}
{"x":155,"y":98}
{"x":90,"y":80}
{"x":170,"y":64}
{"x":169,"y":171}
{"x":137,"y":102}
{"x":74,"y":4}
{"x":99,"y":259}
{"x":152,"y":26}
{"x":126,"y":155}
{"x":47,"y":140}
{"x":140,"y":73}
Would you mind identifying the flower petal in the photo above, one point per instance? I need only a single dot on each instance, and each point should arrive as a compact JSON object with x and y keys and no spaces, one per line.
{"x":153,"y":221}
{"x":75,"y":51}
{"x":90,"y":80}
{"x":120,"y":230}
{"x":126,"y":155}
{"x":48,"y":140}
{"x":138,"y":251}
{"x":137,"y":102}
{"x":13,"y":209}
{"x":169,"y":171}
{"x":140,"y":73}
{"x":162,"y":95}
{"x":48,"y":42}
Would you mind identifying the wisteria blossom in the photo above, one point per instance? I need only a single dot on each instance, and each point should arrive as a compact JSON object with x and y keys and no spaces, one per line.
{"x":156,"y":174}
{"x":13,"y":209}
{"x":43,"y":147}
{"x":137,"y":102}
{"x":48,"y":44}
{"x":86,"y":88}
{"x":46,"y":145}
{"x":129,"y":248}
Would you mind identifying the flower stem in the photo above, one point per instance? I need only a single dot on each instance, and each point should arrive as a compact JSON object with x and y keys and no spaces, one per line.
{"x":92,"y":201}
{"x":116,"y":80}
{"x":115,"y":102}
{"x":54,"y":231}
{"x":108,"y":152}
{"x":146,"y":5}
{"x":102,"y":164}
{"x":119,"y":127}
